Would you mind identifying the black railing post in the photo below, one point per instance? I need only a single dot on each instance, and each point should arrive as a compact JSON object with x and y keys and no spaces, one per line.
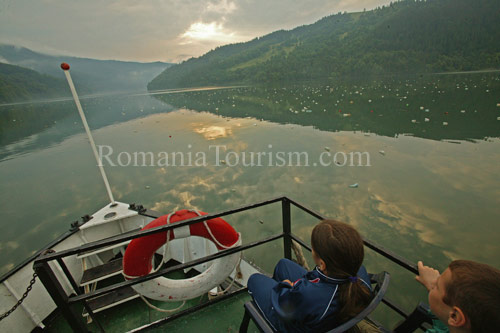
{"x":66,"y":272}
{"x":56,"y":291}
{"x":77,"y":291}
{"x":287,"y":228}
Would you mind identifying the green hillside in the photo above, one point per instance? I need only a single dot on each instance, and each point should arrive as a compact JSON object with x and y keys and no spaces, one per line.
{"x":21,"y":84}
{"x":97,"y":75}
{"x":405,"y":37}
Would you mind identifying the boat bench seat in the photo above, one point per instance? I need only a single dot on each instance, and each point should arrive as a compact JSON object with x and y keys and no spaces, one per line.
{"x":111,"y":299}
{"x":101,"y":272}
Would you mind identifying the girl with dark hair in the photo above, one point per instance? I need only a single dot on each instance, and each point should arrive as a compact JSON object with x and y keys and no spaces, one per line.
{"x":319,"y":300}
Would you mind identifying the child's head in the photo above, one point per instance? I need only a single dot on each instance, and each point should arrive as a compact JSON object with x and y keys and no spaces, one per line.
{"x":338,"y":251}
{"x":467,"y":296}
{"x":337,"y":248}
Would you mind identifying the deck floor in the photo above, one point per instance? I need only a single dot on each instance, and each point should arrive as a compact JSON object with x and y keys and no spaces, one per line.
{"x":224,"y":316}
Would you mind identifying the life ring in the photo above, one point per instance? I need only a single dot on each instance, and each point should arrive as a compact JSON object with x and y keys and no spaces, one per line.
{"x":138,"y":257}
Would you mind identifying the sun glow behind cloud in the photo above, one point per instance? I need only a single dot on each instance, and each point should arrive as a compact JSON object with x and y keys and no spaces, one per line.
{"x":213,"y":31}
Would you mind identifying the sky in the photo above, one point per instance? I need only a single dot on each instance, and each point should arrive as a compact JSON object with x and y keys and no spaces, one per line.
{"x":154,"y":30}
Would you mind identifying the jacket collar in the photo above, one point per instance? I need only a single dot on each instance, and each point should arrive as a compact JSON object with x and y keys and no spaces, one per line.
{"x":326,"y":278}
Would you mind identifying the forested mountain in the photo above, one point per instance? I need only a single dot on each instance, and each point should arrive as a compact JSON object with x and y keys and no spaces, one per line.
{"x":97,"y":75}
{"x":21,"y":84}
{"x":405,"y":36}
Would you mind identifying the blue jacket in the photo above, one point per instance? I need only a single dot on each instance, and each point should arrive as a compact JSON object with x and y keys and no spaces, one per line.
{"x":311,"y":303}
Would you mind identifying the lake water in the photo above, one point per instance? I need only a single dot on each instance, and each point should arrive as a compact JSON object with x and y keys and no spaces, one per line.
{"x":427,"y":175}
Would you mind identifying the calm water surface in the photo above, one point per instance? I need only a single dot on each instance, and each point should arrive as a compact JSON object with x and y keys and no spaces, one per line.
{"x":431,"y":191}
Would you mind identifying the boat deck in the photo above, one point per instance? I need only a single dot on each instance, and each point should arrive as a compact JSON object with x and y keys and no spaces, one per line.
{"x":225,"y":316}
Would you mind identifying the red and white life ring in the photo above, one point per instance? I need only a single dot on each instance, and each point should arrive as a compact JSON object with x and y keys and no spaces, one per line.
{"x":137,"y":260}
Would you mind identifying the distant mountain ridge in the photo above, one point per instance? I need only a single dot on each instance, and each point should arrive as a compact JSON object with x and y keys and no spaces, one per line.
{"x":406,"y":36}
{"x":96,"y":75}
{"x":22,"y":84}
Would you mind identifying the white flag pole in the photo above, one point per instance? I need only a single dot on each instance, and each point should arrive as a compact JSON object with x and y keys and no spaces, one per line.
{"x":65,"y":67}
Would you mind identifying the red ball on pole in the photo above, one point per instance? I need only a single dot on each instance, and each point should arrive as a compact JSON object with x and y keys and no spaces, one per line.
{"x":65,"y":66}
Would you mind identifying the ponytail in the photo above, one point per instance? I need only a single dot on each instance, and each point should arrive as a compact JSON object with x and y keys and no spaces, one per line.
{"x":353,"y":298}
{"x":341,"y":248}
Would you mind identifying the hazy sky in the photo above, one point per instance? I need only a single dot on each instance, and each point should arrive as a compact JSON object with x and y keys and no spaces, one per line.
{"x":151,"y":30}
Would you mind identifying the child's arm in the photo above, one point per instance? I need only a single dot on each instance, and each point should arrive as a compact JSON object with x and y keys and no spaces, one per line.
{"x":427,"y":276}
{"x":287,"y":299}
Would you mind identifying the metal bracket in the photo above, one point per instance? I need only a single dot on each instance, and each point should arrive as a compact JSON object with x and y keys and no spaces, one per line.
{"x":86,"y":218}
{"x":138,"y":208}
{"x":75,"y":225}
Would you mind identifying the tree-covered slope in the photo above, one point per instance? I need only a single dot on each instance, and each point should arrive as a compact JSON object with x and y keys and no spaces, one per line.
{"x":97,"y":75}
{"x":406,"y":36}
{"x":21,"y":84}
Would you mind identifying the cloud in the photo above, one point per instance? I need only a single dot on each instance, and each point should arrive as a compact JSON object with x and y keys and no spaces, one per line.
{"x":222,"y":7}
{"x":165,"y":30}
{"x":213,"y":31}
{"x":214,"y":132}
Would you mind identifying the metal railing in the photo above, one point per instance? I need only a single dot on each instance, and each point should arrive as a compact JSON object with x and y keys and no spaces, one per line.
{"x":67,"y":303}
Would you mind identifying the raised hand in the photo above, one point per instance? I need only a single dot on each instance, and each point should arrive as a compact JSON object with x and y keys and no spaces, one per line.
{"x":427,"y":276}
